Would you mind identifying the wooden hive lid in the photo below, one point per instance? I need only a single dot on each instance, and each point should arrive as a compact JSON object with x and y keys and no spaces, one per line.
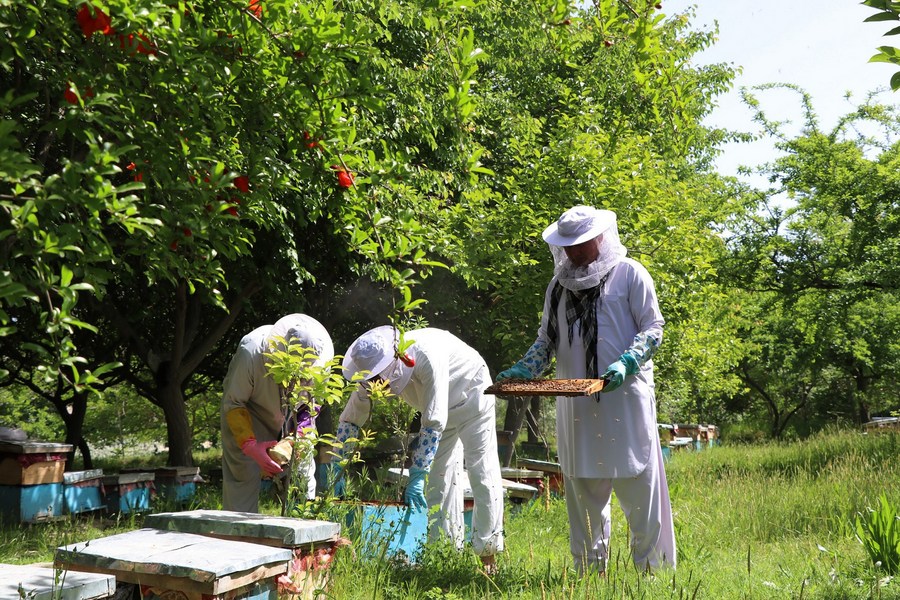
{"x":173,"y":560}
{"x":284,"y":532}
{"x":41,"y":583}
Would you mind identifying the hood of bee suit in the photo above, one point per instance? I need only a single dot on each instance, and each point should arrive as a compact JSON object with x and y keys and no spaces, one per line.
{"x":374,"y":353}
{"x":304,"y":330}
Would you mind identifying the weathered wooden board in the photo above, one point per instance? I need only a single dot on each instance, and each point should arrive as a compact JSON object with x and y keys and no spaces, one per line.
{"x":513,"y":489}
{"x":517,"y":474}
{"x":540,"y":465}
{"x":176,"y":561}
{"x":132,"y":477}
{"x":92,"y":475}
{"x":29,"y":447}
{"x":546,"y":387}
{"x":283,"y":532}
{"x":40,"y":583}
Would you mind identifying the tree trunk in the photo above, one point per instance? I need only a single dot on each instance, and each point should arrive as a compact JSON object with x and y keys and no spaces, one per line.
{"x":533,"y":417}
{"x":74,"y":422}
{"x":171,"y":400}
{"x":516,"y":411}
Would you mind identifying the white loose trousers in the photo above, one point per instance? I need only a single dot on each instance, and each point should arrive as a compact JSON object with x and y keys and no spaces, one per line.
{"x":471,"y":436}
{"x":645,"y":501}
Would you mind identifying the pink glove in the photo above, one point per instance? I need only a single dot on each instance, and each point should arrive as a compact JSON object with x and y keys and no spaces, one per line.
{"x":257,"y":451}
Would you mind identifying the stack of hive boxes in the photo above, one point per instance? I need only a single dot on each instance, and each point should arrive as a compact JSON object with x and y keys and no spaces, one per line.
{"x":31,"y":480}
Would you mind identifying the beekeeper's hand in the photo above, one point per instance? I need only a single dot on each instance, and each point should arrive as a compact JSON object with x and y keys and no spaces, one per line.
{"x":257,"y":451}
{"x":614,"y":376}
{"x":517,"y":371}
{"x":415,"y":489}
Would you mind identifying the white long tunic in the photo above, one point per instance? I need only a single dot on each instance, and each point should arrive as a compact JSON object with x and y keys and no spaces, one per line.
{"x":615,"y":436}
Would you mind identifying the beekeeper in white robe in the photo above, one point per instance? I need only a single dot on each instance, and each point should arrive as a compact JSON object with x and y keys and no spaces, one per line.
{"x":444,"y":379}
{"x":601,"y":309}
{"x":254,"y":417}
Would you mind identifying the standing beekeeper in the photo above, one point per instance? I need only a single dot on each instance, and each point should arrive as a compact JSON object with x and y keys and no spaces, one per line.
{"x":255,"y":415}
{"x":444,"y":379}
{"x":601,"y":309}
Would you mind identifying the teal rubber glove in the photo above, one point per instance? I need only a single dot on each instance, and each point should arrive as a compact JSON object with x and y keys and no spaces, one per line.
{"x":415,"y":489}
{"x":517,"y":371}
{"x":614,"y":376}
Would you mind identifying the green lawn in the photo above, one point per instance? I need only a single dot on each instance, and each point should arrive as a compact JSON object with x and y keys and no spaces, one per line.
{"x":767,"y":522}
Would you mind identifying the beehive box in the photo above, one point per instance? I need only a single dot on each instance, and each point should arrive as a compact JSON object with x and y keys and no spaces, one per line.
{"x":32,"y":463}
{"x":551,"y":470}
{"x":530,"y":477}
{"x":31,"y":503}
{"x":42,"y":583}
{"x":312,"y":543}
{"x":172,"y":484}
{"x":83,"y":491}
{"x":31,"y":476}
{"x":128,"y":492}
{"x":388,"y":530}
{"x":186,"y":566}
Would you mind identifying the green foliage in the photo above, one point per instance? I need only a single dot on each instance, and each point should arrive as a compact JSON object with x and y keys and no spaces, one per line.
{"x":610,"y":117}
{"x":159,"y":173}
{"x":35,"y":418}
{"x":879,"y":532}
{"x":305,"y":381}
{"x":814,"y":271}
{"x":887,"y":11}
{"x":120,"y":421}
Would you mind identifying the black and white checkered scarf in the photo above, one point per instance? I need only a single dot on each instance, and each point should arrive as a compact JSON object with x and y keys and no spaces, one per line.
{"x":582,"y":305}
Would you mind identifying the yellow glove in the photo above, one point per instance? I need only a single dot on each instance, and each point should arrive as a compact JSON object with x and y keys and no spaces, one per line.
{"x":241,"y":426}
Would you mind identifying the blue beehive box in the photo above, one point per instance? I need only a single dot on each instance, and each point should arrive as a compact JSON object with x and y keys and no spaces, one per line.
{"x":31,"y":503}
{"x":83,"y":491}
{"x":387,"y":530}
{"x":128,"y":492}
{"x":176,"y":485}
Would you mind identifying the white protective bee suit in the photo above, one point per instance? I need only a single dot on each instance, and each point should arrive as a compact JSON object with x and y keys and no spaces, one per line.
{"x":255,"y":397}
{"x":446,"y":384}
{"x":608,"y":441}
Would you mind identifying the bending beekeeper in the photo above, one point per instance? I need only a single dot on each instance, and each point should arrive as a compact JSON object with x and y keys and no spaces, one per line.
{"x":444,"y":379}
{"x":601,"y":309}
{"x":255,"y":414}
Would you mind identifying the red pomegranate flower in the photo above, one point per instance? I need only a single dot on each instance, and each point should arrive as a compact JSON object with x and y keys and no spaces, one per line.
{"x":93,"y":19}
{"x":139,"y":43}
{"x":242,"y":182}
{"x":345,"y":179}
{"x":255,"y":7}
{"x":70,"y":95}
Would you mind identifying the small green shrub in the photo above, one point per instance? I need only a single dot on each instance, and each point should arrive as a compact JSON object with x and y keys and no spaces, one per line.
{"x":879,"y":531}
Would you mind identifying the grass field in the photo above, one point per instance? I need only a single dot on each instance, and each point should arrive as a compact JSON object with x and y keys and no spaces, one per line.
{"x":770,"y":521}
